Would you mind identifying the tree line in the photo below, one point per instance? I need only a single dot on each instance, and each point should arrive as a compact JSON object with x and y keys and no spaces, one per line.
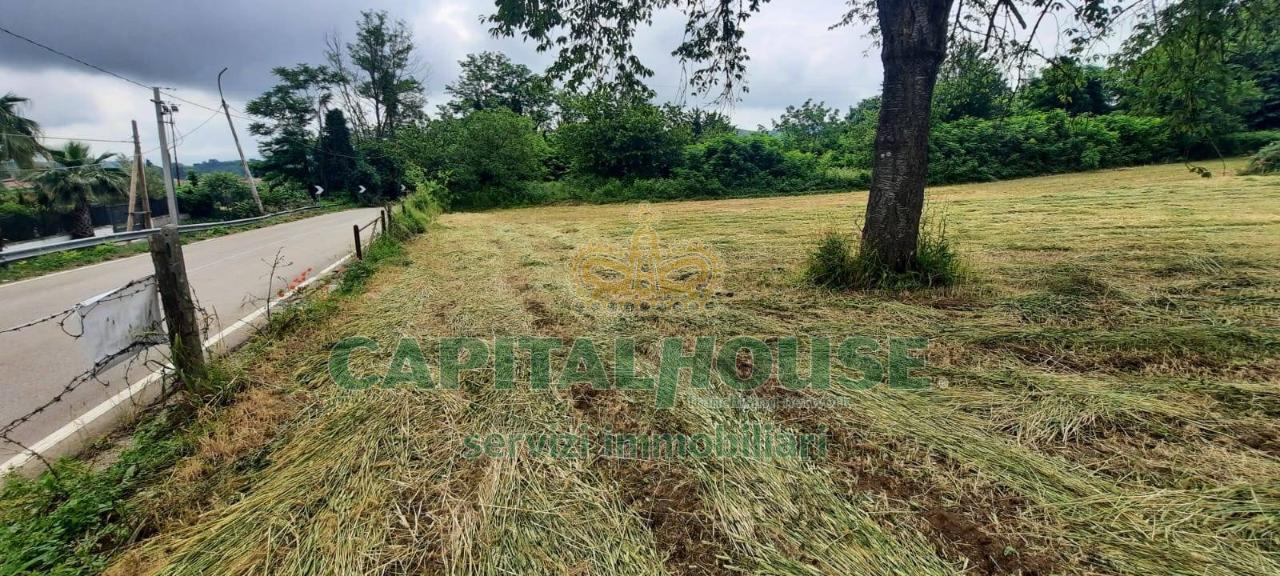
{"x":510,"y":136}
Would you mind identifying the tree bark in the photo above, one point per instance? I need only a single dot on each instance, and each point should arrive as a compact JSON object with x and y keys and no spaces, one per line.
{"x":81,"y":220}
{"x":914,"y":42}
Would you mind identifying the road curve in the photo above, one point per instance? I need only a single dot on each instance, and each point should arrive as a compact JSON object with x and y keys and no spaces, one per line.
{"x":229,"y":276}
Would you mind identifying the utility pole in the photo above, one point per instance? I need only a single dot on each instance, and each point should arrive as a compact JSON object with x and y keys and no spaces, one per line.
{"x":253,"y":186}
{"x":172,"y":110}
{"x":134,"y":175}
{"x":164,"y":157}
{"x":141,"y":169}
{"x":179,"y":309}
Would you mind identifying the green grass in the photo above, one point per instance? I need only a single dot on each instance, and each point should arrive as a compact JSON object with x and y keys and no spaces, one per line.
{"x":64,"y":521}
{"x":74,"y":518}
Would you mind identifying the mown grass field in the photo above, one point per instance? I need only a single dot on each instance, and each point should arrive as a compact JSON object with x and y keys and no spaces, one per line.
{"x":1105,"y":400}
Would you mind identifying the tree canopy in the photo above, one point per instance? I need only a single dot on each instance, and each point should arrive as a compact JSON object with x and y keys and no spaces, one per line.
{"x":490,"y":80}
{"x":18,"y":134}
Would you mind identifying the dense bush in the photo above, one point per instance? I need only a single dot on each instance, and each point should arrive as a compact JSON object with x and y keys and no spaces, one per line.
{"x":17,"y":221}
{"x":487,"y":158}
{"x":219,"y":195}
{"x":746,"y":162}
{"x":283,"y":196}
{"x":838,"y":262}
{"x":1266,"y":161}
{"x":618,"y":140}
{"x":1042,"y":143}
{"x":1242,"y":143}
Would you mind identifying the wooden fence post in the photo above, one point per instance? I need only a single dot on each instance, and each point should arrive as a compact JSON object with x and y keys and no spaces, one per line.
{"x":383,"y":214}
{"x":355,"y":230}
{"x":185,"y":342}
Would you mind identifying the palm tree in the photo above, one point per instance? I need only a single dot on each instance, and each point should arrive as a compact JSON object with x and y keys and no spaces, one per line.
{"x":76,"y":179}
{"x":17,"y":134}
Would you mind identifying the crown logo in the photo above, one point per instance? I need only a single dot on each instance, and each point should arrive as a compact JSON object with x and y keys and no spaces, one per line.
{"x":646,"y":272}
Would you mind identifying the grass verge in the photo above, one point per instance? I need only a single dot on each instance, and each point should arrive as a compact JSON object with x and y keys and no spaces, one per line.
{"x":77,"y":516}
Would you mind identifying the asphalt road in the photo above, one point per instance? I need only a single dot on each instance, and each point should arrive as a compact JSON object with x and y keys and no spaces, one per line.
{"x":229,"y":276}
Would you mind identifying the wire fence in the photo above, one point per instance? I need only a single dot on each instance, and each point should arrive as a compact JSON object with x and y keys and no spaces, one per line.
{"x":144,"y":345}
{"x":146,"y":349}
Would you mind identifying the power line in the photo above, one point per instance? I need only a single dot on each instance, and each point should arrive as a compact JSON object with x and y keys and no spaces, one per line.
{"x":199,"y":105}
{"x":72,"y":58}
{"x":183,"y":136}
{"x":43,"y":137}
{"x":62,"y":168}
{"x":108,"y":72}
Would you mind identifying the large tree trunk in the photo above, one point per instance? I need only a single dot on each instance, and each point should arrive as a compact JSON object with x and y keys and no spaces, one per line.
{"x":81,"y":220}
{"x":914,"y":41}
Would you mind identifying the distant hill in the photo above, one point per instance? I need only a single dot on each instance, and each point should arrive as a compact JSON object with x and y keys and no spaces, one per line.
{"x":210,"y":166}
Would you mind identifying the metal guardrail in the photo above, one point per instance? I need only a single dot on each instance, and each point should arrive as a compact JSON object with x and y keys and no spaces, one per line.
{"x":22,"y":254}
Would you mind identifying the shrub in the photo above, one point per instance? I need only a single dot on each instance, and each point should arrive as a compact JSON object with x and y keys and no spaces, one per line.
{"x":1139,"y":139}
{"x":836,"y":264}
{"x":1043,"y":143}
{"x":620,"y":140}
{"x":833,"y":263}
{"x":743,"y":161}
{"x":283,"y":196}
{"x":17,"y":222}
{"x":214,"y":196}
{"x":484,"y":159}
{"x":1241,"y":143}
{"x":1266,"y":161}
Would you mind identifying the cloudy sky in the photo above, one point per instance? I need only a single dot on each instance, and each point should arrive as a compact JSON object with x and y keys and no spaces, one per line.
{"x":183,"y":44}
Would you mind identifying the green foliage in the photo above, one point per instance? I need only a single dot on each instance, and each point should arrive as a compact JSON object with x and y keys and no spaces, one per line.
{"x":1266,"y":161}
{"x":1257,"y":50}
{"x":838,"y":262}
{"x":1179,"y":66}
{"x":490,"y":80}
{"x":379,"y":170}
{"x":281,"y":196}
{"x":732,"y":165}
{"x":68,"y":521}
{"x":607,"y":137}
{"x":383,"y":73}
{"x":857,"y":137}
{"x":18,"y":134}
{"x":1068,"y":86}
{"x":17,"y":221}
{"x":338,"y":162}
{"x":812,"y":127}
{"x":78,"y":179}
{"x":593,"y":41}
{"x":220,"y":196}
{"x":485,"y":159}
{"x":1042,"y":143}
{"x":291,"y":106}
{"x":701,"y":124}
{"x":416,"y":213}
{"x":833,"y":264}
{"x":1237,"y":144}
{"x":210,"y":166}
{"x":970,"y":85}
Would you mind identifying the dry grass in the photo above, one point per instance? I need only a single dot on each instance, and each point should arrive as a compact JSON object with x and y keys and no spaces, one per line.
{"x":1106,"y":402}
